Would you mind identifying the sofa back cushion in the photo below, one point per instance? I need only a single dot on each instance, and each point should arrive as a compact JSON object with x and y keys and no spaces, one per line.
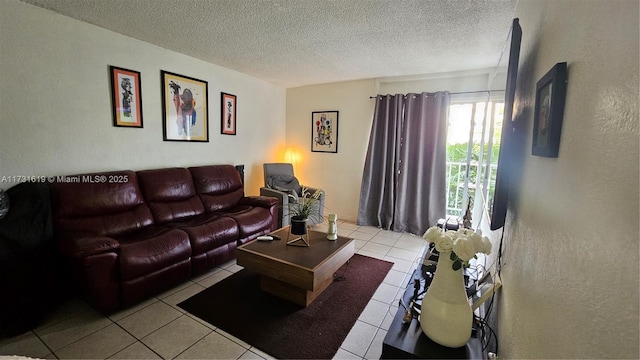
{"x":108,"y":203}
{"x":170,"y":194}
{"x":219,"y":186}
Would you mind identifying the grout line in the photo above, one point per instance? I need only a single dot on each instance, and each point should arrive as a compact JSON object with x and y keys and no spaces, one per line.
{"x":45,"y":344}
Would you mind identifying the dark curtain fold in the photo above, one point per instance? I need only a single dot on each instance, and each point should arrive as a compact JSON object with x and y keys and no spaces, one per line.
{"x":379,"y":179}
{"x":404,"y":179}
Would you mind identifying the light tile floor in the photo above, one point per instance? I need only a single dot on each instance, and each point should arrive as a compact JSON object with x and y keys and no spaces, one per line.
{"x":157,"y":328}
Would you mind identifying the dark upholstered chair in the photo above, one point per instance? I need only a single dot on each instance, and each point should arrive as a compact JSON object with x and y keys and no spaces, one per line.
{"x":281,"y":183}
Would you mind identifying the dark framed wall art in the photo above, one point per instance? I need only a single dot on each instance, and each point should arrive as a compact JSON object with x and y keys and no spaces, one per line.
{"x":126,"y":97}
{"x":551,"y":91}
{"x":324,"y":131}
{"x":228,"y":114}
{"x":185,"y":109}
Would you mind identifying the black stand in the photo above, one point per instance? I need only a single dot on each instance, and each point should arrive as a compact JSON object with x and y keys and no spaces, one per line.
{"x":406,"y":340}
{"x":300,"y":241}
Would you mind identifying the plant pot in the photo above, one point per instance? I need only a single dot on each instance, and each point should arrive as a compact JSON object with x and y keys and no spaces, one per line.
{"x":298,"y":226}
{"x":446,"y":316}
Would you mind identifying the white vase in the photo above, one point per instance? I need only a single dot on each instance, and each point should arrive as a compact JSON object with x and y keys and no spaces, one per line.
{"x":446,"y":316}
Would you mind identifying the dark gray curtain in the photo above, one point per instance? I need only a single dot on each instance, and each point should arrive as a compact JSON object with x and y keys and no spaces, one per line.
{"x":404,"y":179}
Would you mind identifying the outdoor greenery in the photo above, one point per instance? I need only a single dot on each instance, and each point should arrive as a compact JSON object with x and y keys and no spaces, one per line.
{"x":456,"y":171}
{"x":467,"y":124}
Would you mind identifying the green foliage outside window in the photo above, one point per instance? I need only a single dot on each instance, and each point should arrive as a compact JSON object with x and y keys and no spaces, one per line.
{"x":456,"y":171}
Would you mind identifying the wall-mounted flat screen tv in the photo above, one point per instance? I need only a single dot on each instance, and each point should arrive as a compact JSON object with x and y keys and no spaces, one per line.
{"x":505,"y":157}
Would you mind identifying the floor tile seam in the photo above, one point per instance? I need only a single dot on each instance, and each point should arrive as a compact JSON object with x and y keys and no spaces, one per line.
{"x":369,"y":242}
{"x":258,"y":352}
{"x":230,"y":337}
{"x":393,"y":254}
{"x":366,"y":322}
{"x":352,"y":353}
{"x":392,"y":308}
{"x":415,"y":262}
{"x":393,"y":304}
{"x":188,"y":347}
{"x":245,"y":352}
{"x":369,"y":323}
{"x":137,"y":311}
{"x":201,"y":321}
{"x":175,"y":306}
{"x":409,"y":248}
{"x":371,"y":343}
{"x":223,"y":270}
{"x":376,"y":240}
{"x":86,"y":335}
{"x":388,"y":283}
{"x":175,"y":289}
{"x":172,"y":321}
{"x":377,"y":328}
{"x":198,"y":278}
{"x":137,"y":340}
{"x":44,"y":343}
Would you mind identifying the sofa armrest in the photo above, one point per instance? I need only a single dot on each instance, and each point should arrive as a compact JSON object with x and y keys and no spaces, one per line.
{"x":261,"y":201}
{"x":281,"y":196}
{"x":267,"y":202}
{"x":79,"y":245}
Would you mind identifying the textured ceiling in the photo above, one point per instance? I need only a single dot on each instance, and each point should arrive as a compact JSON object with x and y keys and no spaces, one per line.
{"x":301,"y":42}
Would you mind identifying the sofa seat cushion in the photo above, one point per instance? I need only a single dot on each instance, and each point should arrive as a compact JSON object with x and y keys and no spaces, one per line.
{"x":152,"y":249}
{"x":251,"y":220}
{"x":208,"y":231}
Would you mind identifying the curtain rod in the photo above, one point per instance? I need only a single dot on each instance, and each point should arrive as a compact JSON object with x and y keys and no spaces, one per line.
{"x":461,"y":93}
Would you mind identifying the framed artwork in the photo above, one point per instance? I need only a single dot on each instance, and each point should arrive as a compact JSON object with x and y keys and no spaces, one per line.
{"x":324,"y":131}
{"x":126,"y":97}
{"x":185,"y":109}
{"x":228,"y":114}
{"x":547,"y":120}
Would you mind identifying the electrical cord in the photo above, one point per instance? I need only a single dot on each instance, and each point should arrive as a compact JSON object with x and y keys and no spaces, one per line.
{"x":337,"y":277}
{"x":492,"y":334}
{"x":483,"y":323}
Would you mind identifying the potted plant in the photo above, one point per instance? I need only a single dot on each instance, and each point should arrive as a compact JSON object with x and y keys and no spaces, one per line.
{"x":307,"y":207}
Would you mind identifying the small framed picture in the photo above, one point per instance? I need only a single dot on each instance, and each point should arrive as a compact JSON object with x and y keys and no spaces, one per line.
{"x":547,"y":120}
{"x":126,"y":97}
{"x":185,"y":109}
{"x":324,"y":131}
{"x":228,"y":114}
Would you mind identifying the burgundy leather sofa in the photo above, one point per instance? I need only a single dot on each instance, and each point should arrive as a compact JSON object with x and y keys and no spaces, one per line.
{"x":130,"y":235}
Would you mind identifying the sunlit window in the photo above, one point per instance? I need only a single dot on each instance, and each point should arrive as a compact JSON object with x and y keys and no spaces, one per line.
{"x":473,"y":143}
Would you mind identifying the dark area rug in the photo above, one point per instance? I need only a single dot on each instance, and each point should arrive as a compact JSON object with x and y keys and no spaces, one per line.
{"x":285,"y":330}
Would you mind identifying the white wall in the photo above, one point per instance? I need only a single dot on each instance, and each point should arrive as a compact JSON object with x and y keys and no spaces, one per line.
{"x":56,"y":116}
{"x":339,"y":174}
{"x":571,"y":272}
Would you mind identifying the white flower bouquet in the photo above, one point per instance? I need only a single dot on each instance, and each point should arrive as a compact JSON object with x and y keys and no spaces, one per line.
{"x":463,"y":244}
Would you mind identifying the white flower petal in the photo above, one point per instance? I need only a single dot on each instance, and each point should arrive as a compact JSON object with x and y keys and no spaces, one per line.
{"x":431,"y":233}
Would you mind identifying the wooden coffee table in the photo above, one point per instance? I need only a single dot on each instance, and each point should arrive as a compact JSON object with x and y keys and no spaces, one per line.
{"x":298,"y":274}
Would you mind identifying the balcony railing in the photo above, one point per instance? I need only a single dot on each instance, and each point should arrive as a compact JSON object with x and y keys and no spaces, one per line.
{"x":458,"y":193}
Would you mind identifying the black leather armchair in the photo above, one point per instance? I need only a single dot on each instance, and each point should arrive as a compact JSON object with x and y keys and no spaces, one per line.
{"x":281,"y":183}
